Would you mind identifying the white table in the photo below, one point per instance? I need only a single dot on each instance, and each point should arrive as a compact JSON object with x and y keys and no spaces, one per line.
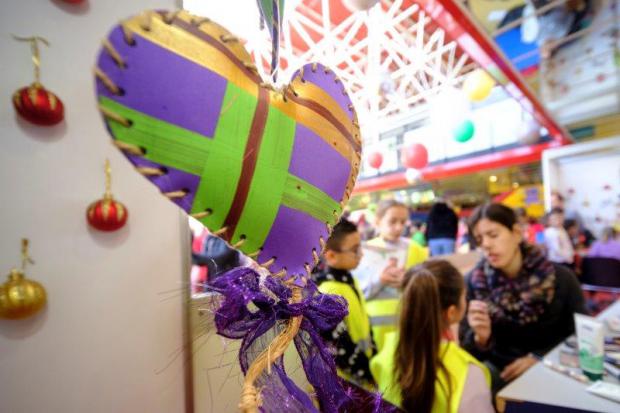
{"x":543,"y":386}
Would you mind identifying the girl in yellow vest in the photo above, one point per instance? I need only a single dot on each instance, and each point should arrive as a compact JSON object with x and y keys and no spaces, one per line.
{"x":420,"y":368}
{"x":381,"y":271}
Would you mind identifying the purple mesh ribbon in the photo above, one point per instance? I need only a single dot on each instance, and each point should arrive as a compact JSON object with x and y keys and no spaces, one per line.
{"x":256,"y":310}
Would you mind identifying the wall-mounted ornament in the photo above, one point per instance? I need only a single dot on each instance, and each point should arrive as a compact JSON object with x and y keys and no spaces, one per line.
{"x":107,"y":214}
{"x":19,"y":296}
{"x":34,"y":103}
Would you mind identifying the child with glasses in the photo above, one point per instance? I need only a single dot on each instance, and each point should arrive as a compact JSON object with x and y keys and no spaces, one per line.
{"x":352,"y":338}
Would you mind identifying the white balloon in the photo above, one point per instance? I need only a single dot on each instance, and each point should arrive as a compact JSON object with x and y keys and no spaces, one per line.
{"x":413,"y":176}
{"x":449,"y":109}
{"x":529,"y":27}
{"x":359,"y":5}
{"x":529,"y":132}
{"x":386,"y":84}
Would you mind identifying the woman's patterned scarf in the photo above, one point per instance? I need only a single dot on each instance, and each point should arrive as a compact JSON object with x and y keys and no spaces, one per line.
{"x":522,"y":299}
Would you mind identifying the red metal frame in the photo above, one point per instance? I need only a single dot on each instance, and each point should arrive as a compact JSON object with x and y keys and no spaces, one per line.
{"x":458,"y":24}
{"x":461,"y":27}
{"x":501,"y":159}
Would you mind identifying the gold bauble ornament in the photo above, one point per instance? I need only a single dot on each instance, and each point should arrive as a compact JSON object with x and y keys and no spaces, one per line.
{"x":19,"y":296}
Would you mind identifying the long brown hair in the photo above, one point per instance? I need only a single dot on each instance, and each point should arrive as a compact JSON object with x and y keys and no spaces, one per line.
{"x":430,"y":288}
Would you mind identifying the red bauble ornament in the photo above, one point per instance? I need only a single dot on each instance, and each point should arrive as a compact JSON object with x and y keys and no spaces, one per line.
{"x":35,"y":103}
{"x":107,"y":214}
{"x":414,"y":156}
{"x":375,"y":160}
{"x":38,"y":105}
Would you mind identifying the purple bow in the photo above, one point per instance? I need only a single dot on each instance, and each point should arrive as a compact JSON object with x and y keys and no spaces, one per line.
{"x":256,"y":312}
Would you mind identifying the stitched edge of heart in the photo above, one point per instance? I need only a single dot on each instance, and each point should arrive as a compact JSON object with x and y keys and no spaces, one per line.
{"x":145,"y":22}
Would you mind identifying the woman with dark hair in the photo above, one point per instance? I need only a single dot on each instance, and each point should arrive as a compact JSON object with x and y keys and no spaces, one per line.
{"x":520,"y":305}
{"x":420,"y":368}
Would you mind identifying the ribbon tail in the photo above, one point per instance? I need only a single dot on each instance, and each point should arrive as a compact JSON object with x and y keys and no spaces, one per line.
{"x":281,"y":394}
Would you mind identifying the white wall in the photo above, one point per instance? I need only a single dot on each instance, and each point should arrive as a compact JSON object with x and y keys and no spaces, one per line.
{"x":588,"y":176}
{"x":109,"y":340}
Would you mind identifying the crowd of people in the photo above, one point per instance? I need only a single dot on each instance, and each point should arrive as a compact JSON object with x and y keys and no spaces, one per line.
{"x":431,"y":339}
{"x":426,"y":336}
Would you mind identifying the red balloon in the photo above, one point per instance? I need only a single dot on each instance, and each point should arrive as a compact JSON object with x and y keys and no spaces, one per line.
{"x":375,"y":160}
{"x":107,"y":214}
{"x":414,"y":156}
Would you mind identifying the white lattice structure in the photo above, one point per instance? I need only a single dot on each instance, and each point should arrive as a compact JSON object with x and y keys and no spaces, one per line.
{"x":391,"y":58}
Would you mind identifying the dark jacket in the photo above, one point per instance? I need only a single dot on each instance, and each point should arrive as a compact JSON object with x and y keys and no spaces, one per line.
{"x":442,"y":222}
{"x":217,"y":256}
{"x":510,"y":340}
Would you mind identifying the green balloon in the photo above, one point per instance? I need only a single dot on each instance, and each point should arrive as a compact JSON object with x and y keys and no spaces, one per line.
{"x":464,"y":132}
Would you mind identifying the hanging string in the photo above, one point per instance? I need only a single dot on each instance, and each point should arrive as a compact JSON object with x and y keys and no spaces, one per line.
{"x":108,"y":180}
{"x":25,"y":255}
{"x":261,"y":24}
{"x":272,"y":13}
{"x":34,"y":47}
{"x":275,"y":41}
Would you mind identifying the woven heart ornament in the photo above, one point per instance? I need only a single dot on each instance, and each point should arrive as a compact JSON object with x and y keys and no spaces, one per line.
{"x":267,"y":170}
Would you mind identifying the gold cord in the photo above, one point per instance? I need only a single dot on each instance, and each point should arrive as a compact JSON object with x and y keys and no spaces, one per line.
{"x":36,"y":57}
{"x":114,"y":53}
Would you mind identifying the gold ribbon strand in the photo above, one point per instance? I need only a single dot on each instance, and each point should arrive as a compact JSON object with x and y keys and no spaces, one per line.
{"x":36,"y":56}
{"x":25,"y":255}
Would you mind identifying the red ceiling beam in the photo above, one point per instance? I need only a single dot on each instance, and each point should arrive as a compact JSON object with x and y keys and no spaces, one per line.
{"x":459,"y":25}
{"x":516,"y":156}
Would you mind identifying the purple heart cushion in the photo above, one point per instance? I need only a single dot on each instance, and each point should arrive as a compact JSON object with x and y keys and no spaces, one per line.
{"x":267,"y":170}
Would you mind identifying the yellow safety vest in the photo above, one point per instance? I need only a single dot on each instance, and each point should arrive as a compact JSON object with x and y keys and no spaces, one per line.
{"x":356,"y":322}
{"x":384,"y":309}
{"x":455,"y":359}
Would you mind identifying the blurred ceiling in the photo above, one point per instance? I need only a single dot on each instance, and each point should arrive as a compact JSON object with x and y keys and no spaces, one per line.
{"x":489,"y":13}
